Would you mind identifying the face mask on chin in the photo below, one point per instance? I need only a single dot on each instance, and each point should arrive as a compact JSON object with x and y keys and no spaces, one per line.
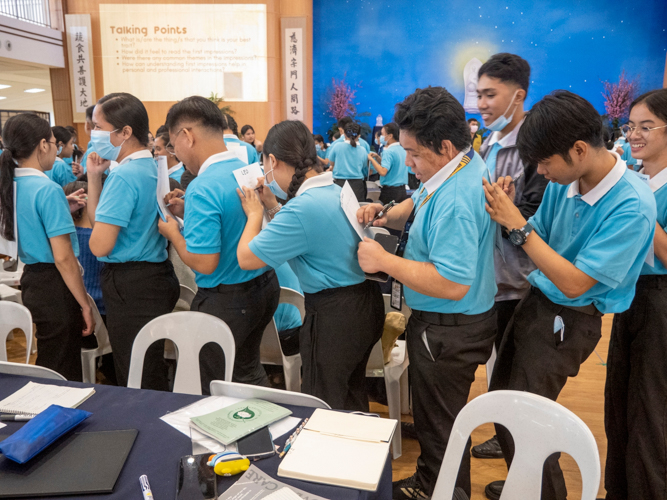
{"x":502,"y":121}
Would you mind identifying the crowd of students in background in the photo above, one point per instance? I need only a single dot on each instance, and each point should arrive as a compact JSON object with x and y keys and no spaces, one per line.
{"x":517,"y":237}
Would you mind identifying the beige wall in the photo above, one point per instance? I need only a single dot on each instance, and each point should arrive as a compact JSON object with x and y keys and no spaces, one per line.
{"x":261,"y":115}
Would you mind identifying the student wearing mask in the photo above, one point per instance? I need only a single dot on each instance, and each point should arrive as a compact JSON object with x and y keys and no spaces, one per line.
{"x":589,"y":239}
{"x":138,"y":281}
{"x":391,"y":166}
{"x":349,"y":161}
{"x":51,"y":284}
{"x":636,"y":386}
{"x":476,"y":138}
{"x":344,"y":311}
{"x":214,"y":221}
{"x":62,"y":173}
{"x":232,"y":137}
{"x":248,"y":135}
{"x":446,"y":272}
{"x":88,"y":127}
{"x":320,"y":146}
{"x":175,"y":167}
{"x":501,"y":92}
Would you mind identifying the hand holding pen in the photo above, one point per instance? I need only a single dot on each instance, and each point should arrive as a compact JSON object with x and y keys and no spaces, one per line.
{"x":380,"y":214}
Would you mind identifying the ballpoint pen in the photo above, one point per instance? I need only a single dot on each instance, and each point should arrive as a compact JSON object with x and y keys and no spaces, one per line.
{"x":381,"y":213}
{"x":145,"y":488}
{"x":15,"y":418}
{"x":179,"y":197}
{"x":292,"y":438}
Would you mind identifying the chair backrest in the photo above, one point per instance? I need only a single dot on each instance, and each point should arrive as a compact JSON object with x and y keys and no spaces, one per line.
{"x":190,"y":331}
{"x":378,"y":230}
{"x":278,"y":396}
{"x":540,"y":427}
{"x":187,"y":294}
{"x":270,"y":350}
{"x":13,"y":315}
{"x":29,"y":370}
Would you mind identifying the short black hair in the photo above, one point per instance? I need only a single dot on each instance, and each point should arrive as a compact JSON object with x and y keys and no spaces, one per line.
{"x":344,"y":122}
{"x":121,"y":109}
{"x":61,"y":134}
{"x":433,"y":115}
{"x":245,"y":128}
{"x":198,"y":110}
{"x":470,"y":120}
{"x":507,"y":68}
{"x":72,"y":130}
{"x":392,"y":128}
{"x":554,"y":124}
{"x":655,"y":101}
{"x":89,"y":112}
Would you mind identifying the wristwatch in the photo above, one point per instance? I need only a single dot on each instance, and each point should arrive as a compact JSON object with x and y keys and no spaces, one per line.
{"x":518,"y":236}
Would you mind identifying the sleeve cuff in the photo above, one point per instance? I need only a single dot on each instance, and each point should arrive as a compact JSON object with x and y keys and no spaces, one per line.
{"x":111,"y":220}
{"x":60,"y":231}
{"x":202,"y":250}
{"x":596,"y":275}
{"x":447,"y":274}
{"x":263,"y":257}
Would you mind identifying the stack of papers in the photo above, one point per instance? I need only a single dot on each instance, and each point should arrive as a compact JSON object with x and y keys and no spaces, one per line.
{"x":34,"y":398}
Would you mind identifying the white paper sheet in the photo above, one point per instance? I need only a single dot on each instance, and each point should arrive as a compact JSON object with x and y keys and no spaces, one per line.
{"x":350,"y":205}
{"x":180,"y":420}
{"x":247,"y":176}
{"x":239,"y":150}
{"x":163,"y":190}
{"x":11,"y":248}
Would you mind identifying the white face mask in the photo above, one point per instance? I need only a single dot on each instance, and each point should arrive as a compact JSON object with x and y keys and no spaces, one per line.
{"x":474,"y":128}
{"x":502,"y":121}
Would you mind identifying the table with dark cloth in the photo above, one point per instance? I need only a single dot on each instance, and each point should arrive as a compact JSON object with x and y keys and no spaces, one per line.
{"x":159,"y":447}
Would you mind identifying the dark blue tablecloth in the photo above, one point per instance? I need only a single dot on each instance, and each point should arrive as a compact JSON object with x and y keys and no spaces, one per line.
{"x":159,"y":446}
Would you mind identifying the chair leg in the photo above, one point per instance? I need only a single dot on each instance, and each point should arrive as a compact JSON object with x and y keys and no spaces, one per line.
{"x":394,"y":400}
{"x":405,"y":394}
{"x":292,"y":371}
{"x":88,"y":368}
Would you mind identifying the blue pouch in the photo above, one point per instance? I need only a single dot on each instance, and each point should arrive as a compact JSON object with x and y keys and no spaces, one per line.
{"x":40,"y":432}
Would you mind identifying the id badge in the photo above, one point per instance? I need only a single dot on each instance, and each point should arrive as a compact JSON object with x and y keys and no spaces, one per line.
{"x":396,"y":295}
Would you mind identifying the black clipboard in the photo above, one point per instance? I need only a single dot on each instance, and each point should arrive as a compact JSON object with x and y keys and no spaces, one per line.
{"x":390,"y":244}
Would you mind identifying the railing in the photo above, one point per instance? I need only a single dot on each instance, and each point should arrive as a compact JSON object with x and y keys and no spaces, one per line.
{"x":32,"y":11}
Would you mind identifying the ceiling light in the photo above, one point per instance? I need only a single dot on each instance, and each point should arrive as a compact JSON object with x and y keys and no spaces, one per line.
{"x":33,"y":91}
{"x":3,"y":86}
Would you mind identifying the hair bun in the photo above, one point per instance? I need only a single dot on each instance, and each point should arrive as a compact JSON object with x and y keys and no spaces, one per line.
{"x":353,"y":134}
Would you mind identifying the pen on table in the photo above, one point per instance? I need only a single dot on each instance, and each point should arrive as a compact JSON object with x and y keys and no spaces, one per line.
{"x":291,"y":439}
{"x":179,"y":197}
{"x":145,"y":488}
{"x":15,"y":418}
{"x":381,"y":213}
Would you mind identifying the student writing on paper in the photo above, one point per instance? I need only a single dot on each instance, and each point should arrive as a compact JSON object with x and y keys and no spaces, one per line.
{"x":51,"y":284}
{"x":213,"y":223}
{"x":344,"y":312}
{"x":174,"y":165}
{"x":446,"y":272}
{"x":349,"y":161}
{"x":138,"y":281}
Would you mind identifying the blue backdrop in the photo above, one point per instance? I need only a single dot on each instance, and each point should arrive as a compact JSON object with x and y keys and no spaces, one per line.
{"x":391,"y":47}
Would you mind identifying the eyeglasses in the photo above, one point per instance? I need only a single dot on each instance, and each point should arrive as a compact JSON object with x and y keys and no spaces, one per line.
{"x":170,"y":147}
{"x":643,"y":131}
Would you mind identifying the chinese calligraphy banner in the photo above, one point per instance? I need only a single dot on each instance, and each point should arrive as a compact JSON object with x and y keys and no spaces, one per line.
{"x":294,"y":58}
{"x":79,"y":52}
{"x":168,"y":52}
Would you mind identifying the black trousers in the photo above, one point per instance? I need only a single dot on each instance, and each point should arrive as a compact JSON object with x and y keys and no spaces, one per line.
{"x":533,"y":359}
{"x":505,"y":310}
{"x":636,"y":396}
{"x":392,"y":193}
{"x":441,"y":375}
{"x":357,"y":185}
{"x":339,"y":331}
{"x":57,"y":315}
{"x":246,"y":308}
{"x":134,"y":294}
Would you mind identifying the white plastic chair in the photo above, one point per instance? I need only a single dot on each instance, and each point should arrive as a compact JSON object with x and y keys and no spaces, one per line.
{"x":187,"y":295}
{"x":29,"y":370}
{"x":190,"y":331}
{"x":372,"y":191}
{"x":270,"y":351}
{"x":13,"y":315}
{"x":12,"y":278}
{"x":10,"y":294}
{"x":89,"y":356}
{"x":395,"y":375}
{"x":540,"y":427}
{"x":278,"y":396}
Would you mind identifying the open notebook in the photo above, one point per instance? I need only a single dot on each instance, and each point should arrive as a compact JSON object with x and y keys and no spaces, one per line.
{"x":34,"y":398}
{"x":342,"y":449}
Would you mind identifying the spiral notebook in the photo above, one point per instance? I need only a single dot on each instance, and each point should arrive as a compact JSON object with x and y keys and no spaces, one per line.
{"x":34,"y":398}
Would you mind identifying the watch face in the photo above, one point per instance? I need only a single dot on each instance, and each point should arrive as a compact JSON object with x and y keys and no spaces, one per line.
{"x":516,"y":237}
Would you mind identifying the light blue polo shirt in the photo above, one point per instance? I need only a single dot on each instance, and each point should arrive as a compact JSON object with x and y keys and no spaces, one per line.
{"x":129,"y":201}
{"x":658,"y":185}
{"x":393,"y":159}
{"x":84,"y":159}
{"x":42,"y":212}
{"x":349,"y":162}
{"x":605,"y":233}
{"x":627,"y":154}
{"x":360,"y":141}
{"x":61,"y":173}
{"x":454,"y":232}
{"x":214,"y":220}
{"x":253,"y":156}
{"x":493,"y":156}
{"x":287,"y":316}
{"x":178,"y":172}
{"x":312,"y":233}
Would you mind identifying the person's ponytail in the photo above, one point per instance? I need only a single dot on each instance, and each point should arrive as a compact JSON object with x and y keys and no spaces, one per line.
{"x":352,"y":132}
{"x":21,"y":135}
{"x":292,"y":143}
